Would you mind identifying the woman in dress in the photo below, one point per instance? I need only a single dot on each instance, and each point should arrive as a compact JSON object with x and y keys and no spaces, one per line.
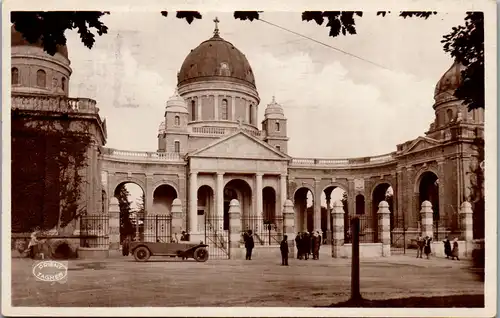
{"x":427,"y":246}
{"x":454,"y":252}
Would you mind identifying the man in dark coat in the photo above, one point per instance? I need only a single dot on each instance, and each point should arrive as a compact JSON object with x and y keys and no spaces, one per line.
{"x":249,"y":244}
{"x":284,"y":251}
{"x":298,"y":245}
{"x":447,"y":248}
{"x":306,"y":245}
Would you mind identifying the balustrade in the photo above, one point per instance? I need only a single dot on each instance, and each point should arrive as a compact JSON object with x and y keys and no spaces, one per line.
{"x":161,"y":156}
{"x":53,"y":103}
{"x":342,"y":162}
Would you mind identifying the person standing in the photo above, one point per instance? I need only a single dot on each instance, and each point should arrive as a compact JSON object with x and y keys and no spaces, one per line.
{"x":427,"y":246}
{"x":126,"y":246}
{"x":284,"y":251}
{"x":454,"y":252}
{"x":306,"y":245}
{"x":298,"y":245}
{"x":249,"y":244}
{"x":447,"y":248}
{"x":420,"y":246}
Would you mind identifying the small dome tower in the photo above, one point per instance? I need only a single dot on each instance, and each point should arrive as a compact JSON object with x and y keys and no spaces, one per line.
{"x":274,"y":126}
{"x":172,"y":133}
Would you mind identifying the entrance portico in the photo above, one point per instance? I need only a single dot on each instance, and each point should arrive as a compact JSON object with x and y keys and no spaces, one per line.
{"x":239,"y":165}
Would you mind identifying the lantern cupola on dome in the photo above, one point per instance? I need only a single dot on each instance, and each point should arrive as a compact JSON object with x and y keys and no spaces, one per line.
{"x":176,"y":104}
{"x":274,"y":110}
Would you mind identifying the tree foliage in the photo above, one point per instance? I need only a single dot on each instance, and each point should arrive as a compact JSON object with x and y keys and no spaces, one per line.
{"x":122,"y":195}
{"x":48,"y":160}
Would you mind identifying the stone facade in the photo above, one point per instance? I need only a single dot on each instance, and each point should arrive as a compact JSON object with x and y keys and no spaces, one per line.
{"x":209,"y":140}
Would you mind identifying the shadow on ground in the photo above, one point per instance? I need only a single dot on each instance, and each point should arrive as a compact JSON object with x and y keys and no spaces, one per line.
{"x":463,"y":301}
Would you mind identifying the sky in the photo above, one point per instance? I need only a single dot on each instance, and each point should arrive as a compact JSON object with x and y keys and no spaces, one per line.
{"x":347,"y":106}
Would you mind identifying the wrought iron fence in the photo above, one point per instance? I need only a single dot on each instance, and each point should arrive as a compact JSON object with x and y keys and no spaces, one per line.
{"x":368,"y":227}
{"x":441,"y":229}
{"x":217,"y":238}
{"x":94,"y":231}
{"x":265,"y":232}
{"x":157,"y":228}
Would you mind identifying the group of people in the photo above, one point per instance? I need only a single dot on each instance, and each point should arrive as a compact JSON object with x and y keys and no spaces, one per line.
{"x":308,"y":243}
{"x":424,"y":247}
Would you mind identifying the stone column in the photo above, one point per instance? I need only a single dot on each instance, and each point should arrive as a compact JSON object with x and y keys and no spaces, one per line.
{"x":328,"y":220}
{"x":384,"y":227}
{"x":198,"y":108}
{"x":219,"y":206}
{"x":338,"y":228}
{"x":426,"y":216}
{"x":289,"y":224}
{"x":259,"y":209}
{"x":193,"y":203}
{"x":466,"y":221}
{"x":216,"y":107}
{"x":283,"y":190}
{"x":233,"y":108}
{"x":114,"y":224}
{"x":176,"y":214}
{"x":235,"y":252}
{"x":317,"y":206}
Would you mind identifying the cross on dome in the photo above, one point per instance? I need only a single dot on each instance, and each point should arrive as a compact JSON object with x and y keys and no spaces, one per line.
{"x":216,"y":30}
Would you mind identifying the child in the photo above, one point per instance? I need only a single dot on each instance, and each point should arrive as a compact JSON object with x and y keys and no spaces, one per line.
{"x":284,"y":251}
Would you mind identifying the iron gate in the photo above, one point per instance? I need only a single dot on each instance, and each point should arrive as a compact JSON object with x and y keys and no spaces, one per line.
{"x":157,"y":228}
{"x":217,"y":238}
{"x":399,"y":237}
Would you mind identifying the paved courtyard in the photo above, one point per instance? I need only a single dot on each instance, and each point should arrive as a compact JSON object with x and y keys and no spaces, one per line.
{"x":259,"y":282}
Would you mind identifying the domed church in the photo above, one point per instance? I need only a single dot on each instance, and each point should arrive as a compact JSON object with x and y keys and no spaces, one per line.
{"x":219,"y":172}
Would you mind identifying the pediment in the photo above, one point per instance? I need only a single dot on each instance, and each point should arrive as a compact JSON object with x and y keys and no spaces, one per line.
{"x":422,"y":143}
{"x":240,"y":146}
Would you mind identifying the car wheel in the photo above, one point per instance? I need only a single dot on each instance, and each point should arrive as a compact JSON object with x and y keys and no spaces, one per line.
{"x":201,"y":254}
{"x":142,"y":254}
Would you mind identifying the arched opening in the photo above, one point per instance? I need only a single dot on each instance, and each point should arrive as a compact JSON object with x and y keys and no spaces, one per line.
{"x":277,"y":126}
{"x":41,"y":78}
{"x":250,"y":114}
{"x":241,"y":191}
{"x":63,"y":84}
{"x":193,"y":110}
{"x":328,"y":197}
{"x":206,"y":209}
{"x":428,"y":190}
{"x":163,"y":196}
{"x":449,"y":115}
{"x":269,"y":205}
{"x":177,"y":121}
{"x":303,"y":201}
{"x":177,"y":146}
{"x":360,"y":204}
{"x":384,"y":192}
{"x":62,"y":251}
{"x":224,"y":110}
{"x":14,"y":76}
{"x":131,"y":200}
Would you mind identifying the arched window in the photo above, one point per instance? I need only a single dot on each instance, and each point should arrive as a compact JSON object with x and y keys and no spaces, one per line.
{"x":14,"y":76}
{"x":63,"y":84}
{"x":250,"y":113}
{"x":177,"y":146}
{"x":193,"y":110}
{"x":177,"y":120}
{"x":224,"y":109}
{"x":449,"y":114}
{"x":224,"y":70}
{"x":41,"y":78}
{"x":278,"y":148}
{"x":360,"y":204}
{"x":277,"y":126}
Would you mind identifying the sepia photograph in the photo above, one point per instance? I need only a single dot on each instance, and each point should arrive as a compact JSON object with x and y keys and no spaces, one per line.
{"x":280,"y":162}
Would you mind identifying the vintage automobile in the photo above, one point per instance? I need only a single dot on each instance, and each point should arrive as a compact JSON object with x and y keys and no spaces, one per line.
{"x":142,"y":251}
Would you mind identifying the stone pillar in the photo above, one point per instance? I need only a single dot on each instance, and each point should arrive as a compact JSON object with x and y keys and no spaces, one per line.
{"x":216,"y":107}
{"x":193,"y":203}
{"x":338,"y":228}
{"x":426,"y":219}
{"x":233,"y":108}
{"x":317,"y":206}
{"x":466,"y":221}
{"x":289,"y":225}
{"x":114,"y":224}
{"x":328,"y":220}
{"x":283,"y":190}
{"x":384,"y":227}
{"x":198,"y":108}
{"x":219,"y":205}
{"x":259,"y":209}
{"x":235,"y":252}
{"x":176,"y":213}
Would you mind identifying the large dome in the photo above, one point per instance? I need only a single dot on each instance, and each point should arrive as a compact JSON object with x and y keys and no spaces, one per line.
{"x":449,"y":82}
{"x":216,"y":59}
{"x":17,"y":39}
